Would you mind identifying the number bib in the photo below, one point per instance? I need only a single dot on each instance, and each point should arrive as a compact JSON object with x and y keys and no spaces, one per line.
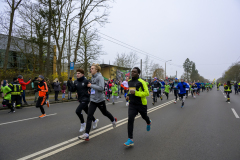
{"x":92,"y":91}
{"x":154,"y":89}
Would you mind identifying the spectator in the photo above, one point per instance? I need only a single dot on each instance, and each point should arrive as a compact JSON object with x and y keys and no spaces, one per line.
{"x":23,"y":84}
{"x":69,"y":84}
{"x":64,"y":87}
{"x":57,"y":88}
{"x":49,"y":90}
{"x":35,"y":85}
{"x":2,"y":92}
{"x":7,"y":96}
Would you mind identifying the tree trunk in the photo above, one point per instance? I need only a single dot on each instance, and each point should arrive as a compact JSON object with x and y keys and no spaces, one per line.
{"x":49,"y":39}
{"x":9,"y":38}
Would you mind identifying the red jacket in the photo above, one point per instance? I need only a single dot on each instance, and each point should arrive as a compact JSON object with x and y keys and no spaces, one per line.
{"x":23,"y":84}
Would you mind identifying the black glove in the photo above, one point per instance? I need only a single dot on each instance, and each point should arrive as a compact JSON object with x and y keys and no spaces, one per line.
{"x":38,"y":89}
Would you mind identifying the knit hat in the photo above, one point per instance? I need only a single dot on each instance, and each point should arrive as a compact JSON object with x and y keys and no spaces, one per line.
{"x":20,"y":76}
{"x":14,"y":79}
{"x":40,"y":76}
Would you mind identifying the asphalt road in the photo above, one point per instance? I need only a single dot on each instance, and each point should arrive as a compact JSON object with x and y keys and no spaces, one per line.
{"x":205,"y":128}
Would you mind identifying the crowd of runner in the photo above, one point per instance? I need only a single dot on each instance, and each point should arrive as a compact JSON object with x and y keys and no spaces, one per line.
{"x":94,"y":93}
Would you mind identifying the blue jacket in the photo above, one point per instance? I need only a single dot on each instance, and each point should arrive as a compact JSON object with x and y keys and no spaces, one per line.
{"x":198,"y":84}
{"x":163,"y":84}
{"x":182,"y":87}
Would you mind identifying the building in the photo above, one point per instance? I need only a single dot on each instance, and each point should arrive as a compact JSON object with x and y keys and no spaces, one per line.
{"x":23,"y":54}
{"x":114,"y":72}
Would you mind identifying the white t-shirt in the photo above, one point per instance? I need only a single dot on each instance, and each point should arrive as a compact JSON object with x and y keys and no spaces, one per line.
{"x":125,"y":84}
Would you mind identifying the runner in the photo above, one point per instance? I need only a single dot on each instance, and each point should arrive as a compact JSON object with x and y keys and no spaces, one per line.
{"x":207,"y":86}
{"x":83,"y":92}
{"x":124,"y":85}
{"x":175,"y":83}
{"x":187,"y":89}
{"x":198,"y":87}
{"x":160,"y":91}
{"x":167,"y":88}
{"x":236,"y":88}
{"x":228,"y":90}
{"x":137,"y":103}
{"x":155,"y":89}
{"x":218,"y":85}
{"x":162,"y":88}
{"x":203,"y":86}
{"x":182,"y":91}
{"x":96,"y":100}
{"x":42,"y":90}
{"x":7,"y":96}
{"x":194,"y":88}
{"x":114,"y":92}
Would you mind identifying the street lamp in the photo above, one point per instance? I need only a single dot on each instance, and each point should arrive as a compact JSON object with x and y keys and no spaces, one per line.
{"x":166,"y":67}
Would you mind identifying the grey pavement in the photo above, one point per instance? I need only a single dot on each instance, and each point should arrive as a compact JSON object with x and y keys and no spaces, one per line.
{"x":205,"y":128}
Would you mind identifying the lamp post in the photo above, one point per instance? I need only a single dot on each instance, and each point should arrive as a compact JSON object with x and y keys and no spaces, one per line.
{"x":166,"y":67}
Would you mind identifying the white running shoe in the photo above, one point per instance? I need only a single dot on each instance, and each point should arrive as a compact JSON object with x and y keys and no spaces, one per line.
{"x":95,"y":123}
{"x":127,"y":104}
{"x":83,"y":126}
{"x":85,"y":137}
{"x":194,"y":97}
{"x":114,"y":123}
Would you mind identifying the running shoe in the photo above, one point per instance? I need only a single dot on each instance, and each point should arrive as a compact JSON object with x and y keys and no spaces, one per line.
{"x":48,"y":105}
{"x":11,"y":112}
{"x":153,"y":103}
{"x":149,"y":126}
{"x":182,"y":104}
{"x":114,"y":123}
{"x":129,"y":142}
{"x":85,"y":137}
{"x":175,"y":102}
{"x":42,"y":116}
{"x":161,"y":98}
{"x":95,"y":123}
{"x":83,"y":126}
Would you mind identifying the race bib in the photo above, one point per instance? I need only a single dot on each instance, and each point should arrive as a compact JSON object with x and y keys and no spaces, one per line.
{"x":92,"y":91}
{"x":187,"y":89}
{"x":154,"y":89}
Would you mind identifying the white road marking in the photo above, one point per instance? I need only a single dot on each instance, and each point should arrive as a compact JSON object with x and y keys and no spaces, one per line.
{"x":235,"y":113}
{"x":109,"y":127}
{"x":25,"y":119}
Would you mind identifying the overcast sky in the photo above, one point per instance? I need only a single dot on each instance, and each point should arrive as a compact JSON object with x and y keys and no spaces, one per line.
{"x":205,"y":31}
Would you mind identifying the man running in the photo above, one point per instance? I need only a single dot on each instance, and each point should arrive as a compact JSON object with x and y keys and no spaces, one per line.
{"x":97,"y":100}
{"x":124,"y":85}
{"x":203,"y":86}
{"x":42,"y":91}
{"x":138,"y":91}
{"x":182,"y":91}
{"x":162,"y":88}
{"x":198,"y":87}
{"x":175,"y":83}
{"x":155,"y":87}
{"x":228,"y":90}
{"x":187,"y":89}
{"x":83,"y":92}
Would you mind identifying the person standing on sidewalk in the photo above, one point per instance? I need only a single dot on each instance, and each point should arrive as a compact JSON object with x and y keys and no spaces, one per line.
{"x":97,"y":100}
{"x":42,"y":91}
{"x":69,"y":84}
{"x":16,"y":93}
{"x":35,"y":81}
{"x":83,"y":91}
{"x":57,"y":88}
{"x":138,"y":91}
{"x":23,"y":84}
{"x":64,"y":87}
{"x":7,"y":96}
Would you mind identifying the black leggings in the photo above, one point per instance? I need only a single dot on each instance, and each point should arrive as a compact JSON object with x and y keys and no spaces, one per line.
{"x":56,"y":95}
{"x":166,"y":94}
{"x":155,"y":95}
{"x":176,"y":94}
{"x":83,"y":106}
{"x":133,"y":110}
{"x":92,"y":108}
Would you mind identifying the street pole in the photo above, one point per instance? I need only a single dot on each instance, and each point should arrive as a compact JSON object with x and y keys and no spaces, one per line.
{"x":69,"y":51}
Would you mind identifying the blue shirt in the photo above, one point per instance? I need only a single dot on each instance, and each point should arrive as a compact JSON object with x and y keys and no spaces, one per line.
{"x":198,"y":84}
{"x":181,"y":86}
{"x":163,"y":84}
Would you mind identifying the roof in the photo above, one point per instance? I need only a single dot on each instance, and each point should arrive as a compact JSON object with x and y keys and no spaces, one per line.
{"x":108,"y":65}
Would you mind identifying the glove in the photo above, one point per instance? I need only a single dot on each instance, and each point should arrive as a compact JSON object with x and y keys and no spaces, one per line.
{"x":38,"y":89}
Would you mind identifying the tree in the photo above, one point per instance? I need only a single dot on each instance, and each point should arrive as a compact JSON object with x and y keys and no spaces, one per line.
{"x":13,"y":5}
{"x":147,"y":66}
{"x":158,"y":71}
{"x":126,"y":60}
{"x":89,"y":50}
{"x":86,"y":17}
{"x":194,"y":74}
{"x":187,"y":65}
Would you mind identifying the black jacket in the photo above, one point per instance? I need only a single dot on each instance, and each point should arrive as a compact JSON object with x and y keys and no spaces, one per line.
{"x":80,"y":85}
{"x":69,"y":84}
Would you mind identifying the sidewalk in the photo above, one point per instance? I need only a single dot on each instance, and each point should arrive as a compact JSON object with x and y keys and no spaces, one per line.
{"x":30,"y":100}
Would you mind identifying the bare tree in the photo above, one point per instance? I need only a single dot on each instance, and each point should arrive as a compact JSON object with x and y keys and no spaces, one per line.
{"x":89,"y":50}
{"x":158,"y":71}
{"x":147,"y":66}
{"x":13,"y":5}
{"x":88,"y":14}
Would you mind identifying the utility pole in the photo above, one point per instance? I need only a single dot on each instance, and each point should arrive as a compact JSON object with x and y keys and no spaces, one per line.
{"x":166,"y":67}
{"x":69,"y":50}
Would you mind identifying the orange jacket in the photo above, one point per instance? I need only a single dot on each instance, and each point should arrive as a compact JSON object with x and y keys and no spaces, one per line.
{"x":44,"y":89}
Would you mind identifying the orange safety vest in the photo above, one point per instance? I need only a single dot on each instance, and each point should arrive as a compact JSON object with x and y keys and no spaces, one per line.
{"x":44,"y":89}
